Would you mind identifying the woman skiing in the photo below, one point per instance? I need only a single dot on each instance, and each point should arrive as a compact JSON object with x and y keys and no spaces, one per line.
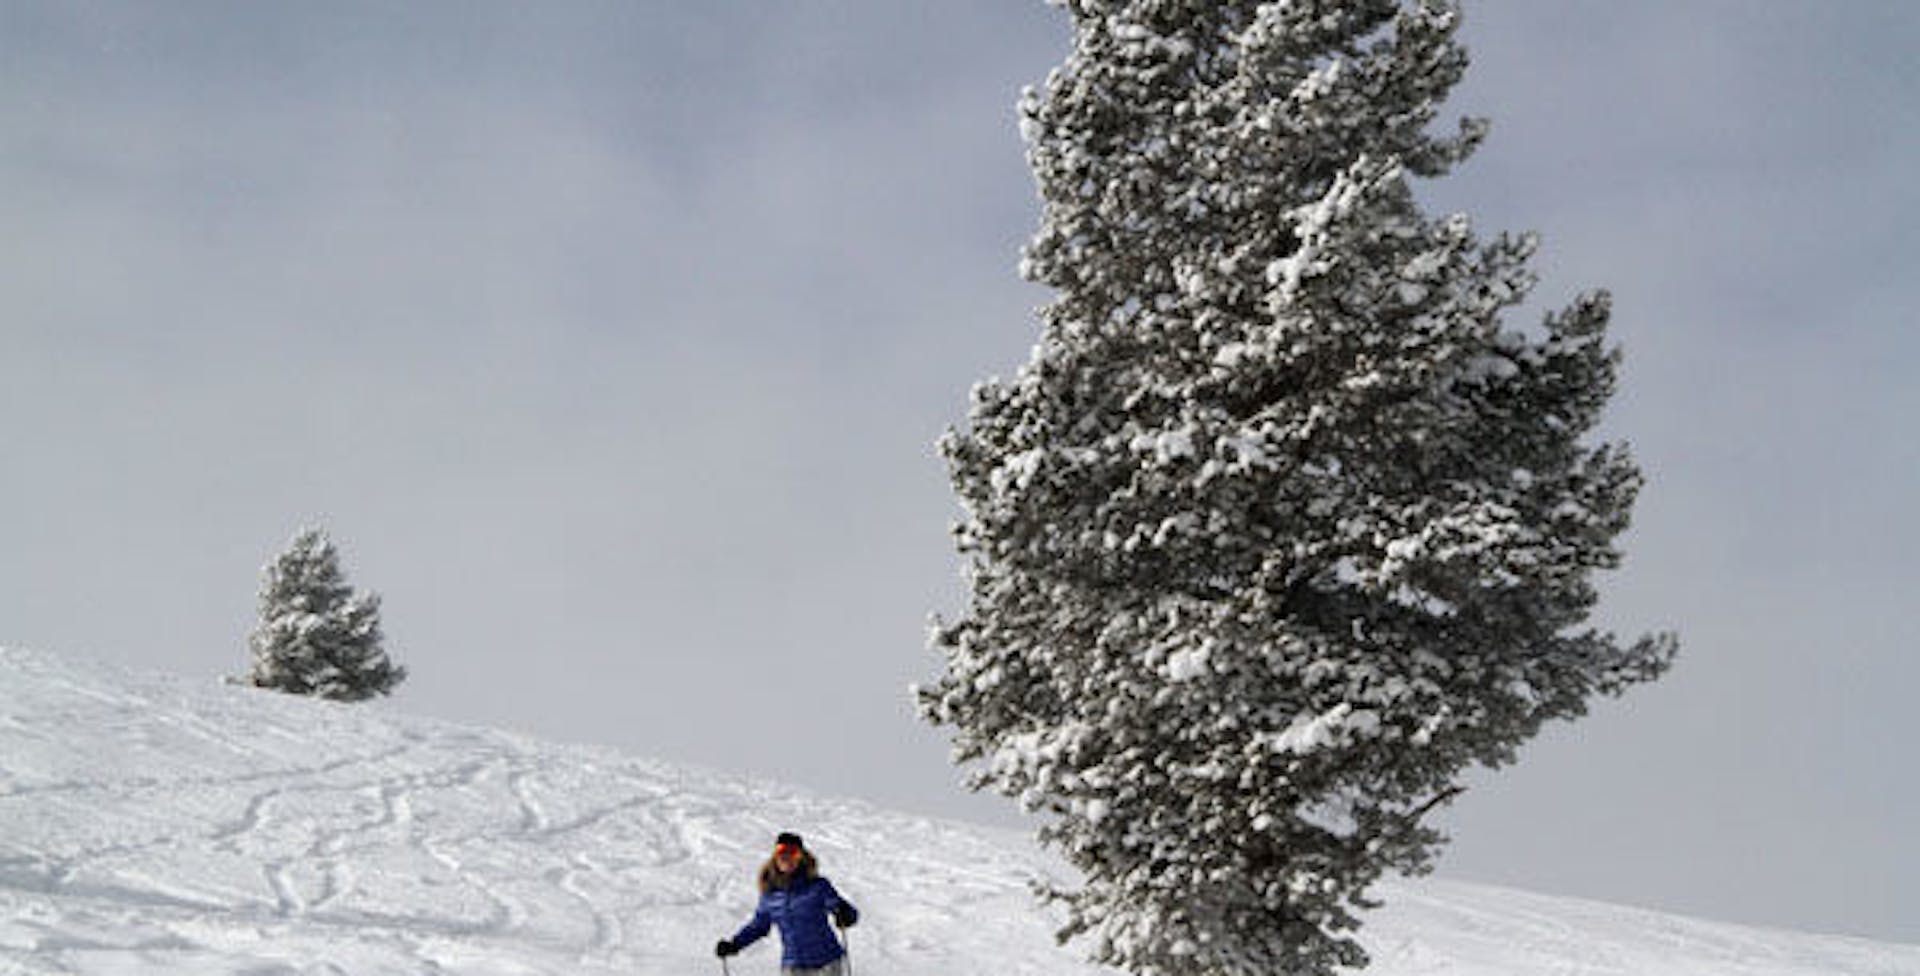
{"x":796,"y":898}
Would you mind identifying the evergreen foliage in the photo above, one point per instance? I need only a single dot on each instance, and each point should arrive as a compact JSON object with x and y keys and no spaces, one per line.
{"x":1280,"y":530}
{"x":316,"y":636}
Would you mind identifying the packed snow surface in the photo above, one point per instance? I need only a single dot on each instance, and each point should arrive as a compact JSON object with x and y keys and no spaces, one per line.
{"x":150,"y":825}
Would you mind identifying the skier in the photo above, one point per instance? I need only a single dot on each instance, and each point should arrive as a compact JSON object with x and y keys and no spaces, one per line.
{"x":796,"y":898}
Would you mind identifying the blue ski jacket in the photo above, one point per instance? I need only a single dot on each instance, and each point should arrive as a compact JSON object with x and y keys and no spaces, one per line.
{"x":800,"y":910}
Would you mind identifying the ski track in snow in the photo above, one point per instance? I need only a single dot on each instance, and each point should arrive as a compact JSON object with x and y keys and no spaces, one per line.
{"x":155,"y":826}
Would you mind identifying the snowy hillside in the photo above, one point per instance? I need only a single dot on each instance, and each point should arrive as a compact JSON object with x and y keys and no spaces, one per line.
{"x":157,"y":826}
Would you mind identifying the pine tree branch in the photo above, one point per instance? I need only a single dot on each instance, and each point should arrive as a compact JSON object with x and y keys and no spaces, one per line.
{"x":1416,"y":815}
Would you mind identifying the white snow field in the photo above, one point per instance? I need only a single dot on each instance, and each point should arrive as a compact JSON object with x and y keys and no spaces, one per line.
{"x":150,"y":825}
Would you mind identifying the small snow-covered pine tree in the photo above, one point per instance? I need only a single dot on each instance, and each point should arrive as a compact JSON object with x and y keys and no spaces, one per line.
{"x":316,"y":636}
{"x":1280,"y":529}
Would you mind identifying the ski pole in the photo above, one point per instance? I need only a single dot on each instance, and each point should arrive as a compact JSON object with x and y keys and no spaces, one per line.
{"x":846,"y":941}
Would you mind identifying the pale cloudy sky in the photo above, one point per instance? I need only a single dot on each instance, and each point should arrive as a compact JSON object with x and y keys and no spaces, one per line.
{"x":610,"y":341}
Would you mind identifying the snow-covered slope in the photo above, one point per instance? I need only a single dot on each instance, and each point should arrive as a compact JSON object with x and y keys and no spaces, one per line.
{"x":155,"y":826}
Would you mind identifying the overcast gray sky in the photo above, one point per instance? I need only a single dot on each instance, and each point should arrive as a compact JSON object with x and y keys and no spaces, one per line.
{"x":610,"y":342}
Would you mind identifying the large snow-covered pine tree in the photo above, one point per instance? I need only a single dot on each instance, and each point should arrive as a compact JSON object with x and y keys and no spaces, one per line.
{"x":1281,"y":528}
{"x":316,"y":635}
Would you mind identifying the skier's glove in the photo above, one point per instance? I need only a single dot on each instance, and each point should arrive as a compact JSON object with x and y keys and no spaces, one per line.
{"x":844,"y":916}
{"x":726,"y":948}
